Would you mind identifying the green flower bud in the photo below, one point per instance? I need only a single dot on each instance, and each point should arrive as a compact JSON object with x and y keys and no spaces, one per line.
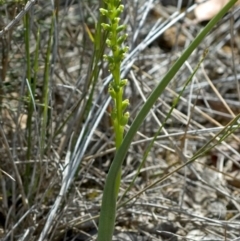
{"x":108,"y":58}
{"x":111,"y":66}
{"x":125,"y":104}
{"x":121,"y":39}
{"x":109,"y":42}
{"x":112,"y":92}
{"x":103,"y":11}
{"x":123,"y":82}
{"x":106,"y":26}
{"x":121,"y":28}
{"x":116,"y":20}
{"x":124,"y":119}
{"x":122,"y":52}
{"x":120,"y":8}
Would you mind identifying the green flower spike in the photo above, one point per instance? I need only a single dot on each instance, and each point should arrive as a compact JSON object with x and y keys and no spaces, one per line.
{"x":115,"y":42}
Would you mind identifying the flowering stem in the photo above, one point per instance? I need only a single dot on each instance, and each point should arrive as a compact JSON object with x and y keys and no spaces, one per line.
{"x":116,"y":89}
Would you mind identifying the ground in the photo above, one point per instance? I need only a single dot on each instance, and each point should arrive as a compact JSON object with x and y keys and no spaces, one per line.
{"x":56,"y":134}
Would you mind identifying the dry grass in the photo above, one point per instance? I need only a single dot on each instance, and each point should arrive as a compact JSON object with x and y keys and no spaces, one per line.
{"x":199,"y":202}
